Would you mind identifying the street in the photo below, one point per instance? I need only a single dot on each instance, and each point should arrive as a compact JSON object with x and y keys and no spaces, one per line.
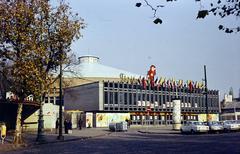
{"x":134,"y":142}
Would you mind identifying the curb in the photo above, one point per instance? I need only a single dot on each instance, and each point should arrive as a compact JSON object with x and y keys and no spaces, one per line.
{"x":149,"y":132}
{"x":67,"y":140}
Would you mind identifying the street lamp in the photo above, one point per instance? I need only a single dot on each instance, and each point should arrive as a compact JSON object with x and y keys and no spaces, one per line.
{"x":40,"y":133}
{"x":206,"y":93}
{"x":235,"y":113}
{"x":60,"y":136}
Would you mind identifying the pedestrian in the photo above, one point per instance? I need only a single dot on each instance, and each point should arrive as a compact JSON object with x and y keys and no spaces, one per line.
{"x":56,"y":125}
{"x":80,"y":124}
{"x":127,"y":121}
{"x":66,"y":126}
{"x":3,"y":132}
{"x":70,"y":127}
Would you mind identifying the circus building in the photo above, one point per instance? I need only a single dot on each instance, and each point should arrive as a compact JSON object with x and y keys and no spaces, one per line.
{"x":113,"y":95}
{"x":100,"y":94}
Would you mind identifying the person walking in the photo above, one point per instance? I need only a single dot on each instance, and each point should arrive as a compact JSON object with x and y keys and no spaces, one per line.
{"x":3,"y":132}
{"x":56,"y":125}
{"x":80,"y":124}
{"x":70,"y":127}
{"x":66,"y":126}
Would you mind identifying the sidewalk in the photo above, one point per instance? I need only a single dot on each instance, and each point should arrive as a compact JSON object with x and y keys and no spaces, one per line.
{"x":51,"y":137}
{"x":85,"y":133}
{"x":77,"y":134}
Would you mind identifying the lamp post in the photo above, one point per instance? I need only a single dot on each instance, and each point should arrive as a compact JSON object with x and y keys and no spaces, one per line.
{"x":206,"y":93}
{"x":60,"y":136}
{"x":235,"y":113}
{"x":40,"y":133}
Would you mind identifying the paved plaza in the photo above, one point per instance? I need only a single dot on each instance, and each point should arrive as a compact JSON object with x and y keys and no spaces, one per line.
{"x":136,"y":140}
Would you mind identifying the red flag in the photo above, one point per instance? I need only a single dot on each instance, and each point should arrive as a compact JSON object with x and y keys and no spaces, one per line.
{"x":190,"y":86}
{"x":144,"y":83}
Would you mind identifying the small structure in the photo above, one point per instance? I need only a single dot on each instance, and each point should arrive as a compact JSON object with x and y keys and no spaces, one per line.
{"x":176,"y":114}
{"x":117,"y":127}
{"x":230,"y":108}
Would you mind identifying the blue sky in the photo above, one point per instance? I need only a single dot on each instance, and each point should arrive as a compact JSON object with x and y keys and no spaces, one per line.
{"x":125,"y":37}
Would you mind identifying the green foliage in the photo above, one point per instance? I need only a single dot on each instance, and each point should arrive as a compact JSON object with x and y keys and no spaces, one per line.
{"x":35,"y":38}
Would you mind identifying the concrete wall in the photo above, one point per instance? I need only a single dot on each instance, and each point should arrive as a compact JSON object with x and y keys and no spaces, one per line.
{"x":83,"y":98}
{"x":50,"y":114}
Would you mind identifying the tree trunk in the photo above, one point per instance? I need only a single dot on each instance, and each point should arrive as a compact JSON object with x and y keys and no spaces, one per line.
{"x":18,"y":131}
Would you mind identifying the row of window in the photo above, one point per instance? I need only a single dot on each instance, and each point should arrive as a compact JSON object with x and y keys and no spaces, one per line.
{"x":53,"y":99}
{"x":158,"y":120}
{"x":162,"y":100}
{"x":161,"y":117}
{"x":120,"y":85}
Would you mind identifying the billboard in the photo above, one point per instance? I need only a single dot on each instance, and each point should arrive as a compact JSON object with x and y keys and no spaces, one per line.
{"x":211,"y":117}
{"x":103,"y":119}
{"x":89,"y":119}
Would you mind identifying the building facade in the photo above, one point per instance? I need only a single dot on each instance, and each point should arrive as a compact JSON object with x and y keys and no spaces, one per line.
{"x":144,"y":104}
{"x":100,"y":94}
{"x":230,"y":108}
{"x":88,"y":69}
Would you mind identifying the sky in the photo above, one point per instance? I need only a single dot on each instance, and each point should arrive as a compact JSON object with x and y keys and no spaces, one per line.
{"x":124,"y":37}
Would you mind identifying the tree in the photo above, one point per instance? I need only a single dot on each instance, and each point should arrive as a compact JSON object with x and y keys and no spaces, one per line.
{"x":35,"y":38}
{"x":221,"y":8}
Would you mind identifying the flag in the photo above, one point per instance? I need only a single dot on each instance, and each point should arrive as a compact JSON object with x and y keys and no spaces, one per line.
{"x":180,"y":83}
{"x":168,"y":84}
{"x":196,"y":85}
{"x":184,"y":86}
{"x":164,"y":83}
{"x":190,"y":86}
{"x":159,"y":83}
{"x":156,"y":81}
{"x":139,"y":80}
{"x":144,"y":83}
{"x":201,"y":86}
{"x":173,"y":83}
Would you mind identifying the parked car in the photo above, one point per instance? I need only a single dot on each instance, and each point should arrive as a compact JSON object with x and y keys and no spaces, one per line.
{"x":238,"y":123}
{"x":230,"y":125}
{"x":194,"y":127}
{"x":215,"y":126}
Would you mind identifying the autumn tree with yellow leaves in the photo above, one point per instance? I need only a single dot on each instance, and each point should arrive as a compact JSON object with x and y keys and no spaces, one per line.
{"x":35,"y":38}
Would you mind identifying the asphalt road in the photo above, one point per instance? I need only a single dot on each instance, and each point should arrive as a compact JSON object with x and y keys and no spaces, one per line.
{"x":138,"y":143}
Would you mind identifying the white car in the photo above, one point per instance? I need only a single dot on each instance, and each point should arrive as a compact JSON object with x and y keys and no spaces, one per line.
{"x":215,"y":126}
{"x":238,"y":122}
{"x":194,"y":127}
{"x":230,"y":125}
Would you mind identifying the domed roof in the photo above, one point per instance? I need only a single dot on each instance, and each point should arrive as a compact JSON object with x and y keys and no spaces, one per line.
{"x":89,"y":66}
